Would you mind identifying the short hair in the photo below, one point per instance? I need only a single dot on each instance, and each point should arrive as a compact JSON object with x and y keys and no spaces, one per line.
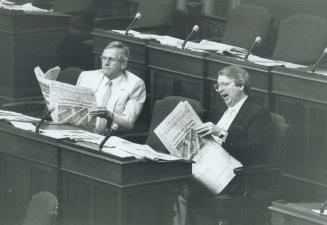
{"x":238,"y":74}
{"x":124,"y":50}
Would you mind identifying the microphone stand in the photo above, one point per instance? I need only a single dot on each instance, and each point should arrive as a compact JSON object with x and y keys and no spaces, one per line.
{"x":105,"y":139}
{"x":250,"y":50}
{"x":110,"y":131}
{"x":195,"y":29}
{"x":137,"y":17}
{"x":130,"y":25}
{"x":256,"y":41}
{"x":45,"y":116}
{"x":314,"y":66}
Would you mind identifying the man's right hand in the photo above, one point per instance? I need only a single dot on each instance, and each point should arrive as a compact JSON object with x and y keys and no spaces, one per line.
{"x":207,"y":128}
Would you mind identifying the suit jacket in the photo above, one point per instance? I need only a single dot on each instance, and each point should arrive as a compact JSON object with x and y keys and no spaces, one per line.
{"x":126,"y":103}
{"x":249,"y":135}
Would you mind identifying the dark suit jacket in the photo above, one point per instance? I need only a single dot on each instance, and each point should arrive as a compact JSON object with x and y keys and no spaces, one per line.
{"x":249,"y":135}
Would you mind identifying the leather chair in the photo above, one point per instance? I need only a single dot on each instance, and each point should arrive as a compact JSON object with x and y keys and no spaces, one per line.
{"x":160,"y":111}
{"x":301,"y":39}
{"x":69,"y":75}
{"x":261,"y":187}
{"x":245,"y":23}
{"x":36,"y":108}
{"x":42,"y":209}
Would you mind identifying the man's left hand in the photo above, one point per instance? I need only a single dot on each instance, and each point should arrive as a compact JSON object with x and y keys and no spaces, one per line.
{"x":207,"y":128}
{"x":102,"y":112}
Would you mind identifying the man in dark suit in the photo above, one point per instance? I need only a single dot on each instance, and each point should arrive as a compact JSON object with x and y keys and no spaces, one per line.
{"x":243,"y":130}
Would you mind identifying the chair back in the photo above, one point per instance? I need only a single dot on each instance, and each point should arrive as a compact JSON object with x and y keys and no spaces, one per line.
{"x":42,"y":209}
{"x":301,"y":39}
{"x":245,"y":23}
{"x":161,"y":110}
{"x":279,"y":142}
{"x":69,"y":75}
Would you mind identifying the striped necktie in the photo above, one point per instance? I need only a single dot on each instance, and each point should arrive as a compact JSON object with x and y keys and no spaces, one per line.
{"x":101,"y":122}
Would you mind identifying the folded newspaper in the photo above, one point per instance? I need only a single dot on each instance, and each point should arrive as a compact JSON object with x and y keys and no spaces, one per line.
{"x":70,"y":104}
{"x":213,"y":165}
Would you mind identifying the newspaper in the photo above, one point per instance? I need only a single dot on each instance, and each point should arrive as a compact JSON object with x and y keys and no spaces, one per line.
{"x":213,"y":165}
{"x":70,"y":104}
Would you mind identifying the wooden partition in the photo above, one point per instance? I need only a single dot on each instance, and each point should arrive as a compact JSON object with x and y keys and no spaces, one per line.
{"x":175,"y":71}
{"x":27,"y":40}
{"x":301,"y":98}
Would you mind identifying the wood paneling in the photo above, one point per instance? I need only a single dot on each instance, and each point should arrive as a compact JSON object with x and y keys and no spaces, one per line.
{"x":27,"y":40}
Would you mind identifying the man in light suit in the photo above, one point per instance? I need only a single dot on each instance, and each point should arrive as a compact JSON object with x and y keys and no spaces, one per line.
{"x":243,"y":129}
{"x":119,"y":94}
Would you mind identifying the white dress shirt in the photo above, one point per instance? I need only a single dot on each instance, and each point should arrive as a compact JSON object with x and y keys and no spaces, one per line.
{"x":227,"y":119}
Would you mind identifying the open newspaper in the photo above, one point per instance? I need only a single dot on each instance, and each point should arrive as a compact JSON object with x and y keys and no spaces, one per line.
{"x":69,"y":104}
{"x":213,"y":165}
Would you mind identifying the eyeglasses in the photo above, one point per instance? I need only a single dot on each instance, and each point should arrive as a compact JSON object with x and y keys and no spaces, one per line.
{"x":108,"y":59}
{"x":218,"y":86}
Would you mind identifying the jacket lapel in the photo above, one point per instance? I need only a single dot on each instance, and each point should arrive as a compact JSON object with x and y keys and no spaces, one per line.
{"x":240,"y":118}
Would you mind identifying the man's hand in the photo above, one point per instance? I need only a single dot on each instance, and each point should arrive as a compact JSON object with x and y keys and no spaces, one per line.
{"x":102,"y":112}
{"x":207,"y":128}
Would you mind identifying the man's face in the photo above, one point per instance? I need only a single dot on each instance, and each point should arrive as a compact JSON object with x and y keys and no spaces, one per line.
{"x":230,"y":93}
{"x":111,"y":65}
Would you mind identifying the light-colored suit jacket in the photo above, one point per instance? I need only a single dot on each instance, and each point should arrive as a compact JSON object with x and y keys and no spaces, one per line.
{"x":127,"y":99}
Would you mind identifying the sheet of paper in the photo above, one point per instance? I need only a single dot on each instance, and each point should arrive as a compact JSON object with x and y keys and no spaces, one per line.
{"x":318,"y":212}
{"x":15,"y":116}
{"x":78,"y":135}
{"x":23,"y":125}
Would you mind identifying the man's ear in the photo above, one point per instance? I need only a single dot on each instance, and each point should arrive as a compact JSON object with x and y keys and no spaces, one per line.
{"x":123,"y":65}
{"x":241,"y":87}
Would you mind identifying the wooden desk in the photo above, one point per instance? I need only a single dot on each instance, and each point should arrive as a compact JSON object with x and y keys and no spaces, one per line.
{"x":283,"y":213}
{"x":92,"y":187}
{"x":302,"y":99}
{"x":297,"y":95}
{"x":27,"y":40}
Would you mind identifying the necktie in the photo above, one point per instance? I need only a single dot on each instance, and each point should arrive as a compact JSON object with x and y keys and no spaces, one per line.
{"x":101,"y":123}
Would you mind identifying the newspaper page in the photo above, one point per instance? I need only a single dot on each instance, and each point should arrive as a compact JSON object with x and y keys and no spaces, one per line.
{"x":213,"y":165}
{"x":70,"y":104}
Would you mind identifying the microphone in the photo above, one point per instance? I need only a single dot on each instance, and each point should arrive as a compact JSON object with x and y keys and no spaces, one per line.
{"x":111,"y":128}
{"x":314,"y":66}
{"x":195,"y":29}
{"x":136,"y":18}
{"x":256,"y":41}
{"x":44,"y":117}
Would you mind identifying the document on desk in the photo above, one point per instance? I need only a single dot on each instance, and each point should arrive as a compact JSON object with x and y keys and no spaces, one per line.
{"x":77,"y":135}
{"x":318,"y":212}
{"x":15,"y":116}
{"x":220,"y":48}
{"x":139,"y":151}
{"x":71,"y":104}
{"x":137,"y":34}
{"x":27,"y":7}
{"x":213,"y":165}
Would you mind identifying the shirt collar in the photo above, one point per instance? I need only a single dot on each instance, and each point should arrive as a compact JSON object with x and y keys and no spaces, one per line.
{"x":238,"y":105}
{"x":114,"y":81}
